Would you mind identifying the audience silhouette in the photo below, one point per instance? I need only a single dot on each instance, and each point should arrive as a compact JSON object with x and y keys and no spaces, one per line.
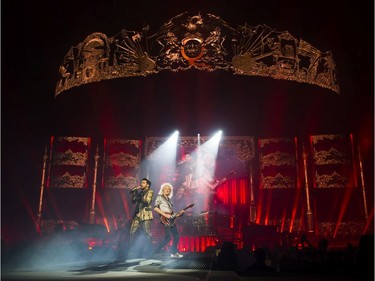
{"x":227,"y":257}
{"x":260,"y":262}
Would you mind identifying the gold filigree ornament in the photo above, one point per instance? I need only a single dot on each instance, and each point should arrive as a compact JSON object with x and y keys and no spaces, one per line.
{"x":278,"y":182}
{"x":322,"y":138}
{"x":84,"y":141}
{"x":277,"y":158}
{"x":123,"y":160}
{"x":69,"y":181}
{"x":135,"y":143}
{"x":121,"y":181}
{"x":70,"y":158}
{"x":331,"y":156}
{"x":334,"y":180}
{"x":205,"y":42}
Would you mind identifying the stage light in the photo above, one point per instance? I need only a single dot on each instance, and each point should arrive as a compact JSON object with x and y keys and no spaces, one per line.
{"x":164,"y":157}
{"x":213,"y":142}
{"x":167,"y":150}
{"x":216,"y":138}
{"x":172,"y":140}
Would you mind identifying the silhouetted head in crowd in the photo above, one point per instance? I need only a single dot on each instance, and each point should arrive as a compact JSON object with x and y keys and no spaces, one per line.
{"x":260,"y":255}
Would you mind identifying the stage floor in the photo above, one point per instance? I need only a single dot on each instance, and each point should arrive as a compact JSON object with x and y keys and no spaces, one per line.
{"x":192,"y":267}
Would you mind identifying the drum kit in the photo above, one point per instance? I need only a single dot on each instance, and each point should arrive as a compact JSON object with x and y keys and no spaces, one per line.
{"x":205,"y":223}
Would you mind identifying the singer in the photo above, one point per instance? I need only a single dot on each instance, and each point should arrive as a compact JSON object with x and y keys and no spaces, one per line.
{"x":142,"y":196}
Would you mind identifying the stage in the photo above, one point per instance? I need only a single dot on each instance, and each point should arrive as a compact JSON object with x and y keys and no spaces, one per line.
{"x":260,"y":114}
{"x":192,"y":266}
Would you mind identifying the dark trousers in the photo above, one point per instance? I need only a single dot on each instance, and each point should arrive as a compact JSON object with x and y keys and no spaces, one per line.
{"x":169,"y":232}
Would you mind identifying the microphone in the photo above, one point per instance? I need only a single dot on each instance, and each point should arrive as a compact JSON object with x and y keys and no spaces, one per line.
{"x":135,"y":188}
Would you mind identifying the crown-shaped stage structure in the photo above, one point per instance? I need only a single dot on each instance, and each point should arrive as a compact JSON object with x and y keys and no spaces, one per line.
{"x":204,"y":42}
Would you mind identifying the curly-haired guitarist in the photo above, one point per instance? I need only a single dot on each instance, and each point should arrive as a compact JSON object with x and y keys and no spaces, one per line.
{"x":164,"y":207}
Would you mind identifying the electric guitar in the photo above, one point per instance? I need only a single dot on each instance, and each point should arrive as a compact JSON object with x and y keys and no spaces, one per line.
{"x":170,"y":222}
{"x":216,"y":184}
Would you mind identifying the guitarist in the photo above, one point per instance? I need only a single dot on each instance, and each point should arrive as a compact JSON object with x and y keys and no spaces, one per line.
{"x":164,"y":207}
{"x":205,"y":181}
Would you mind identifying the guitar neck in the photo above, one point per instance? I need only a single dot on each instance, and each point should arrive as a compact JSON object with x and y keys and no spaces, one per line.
{"x":170,"y":221}
{"x":216,"y":184}
{"x":222,"y":180}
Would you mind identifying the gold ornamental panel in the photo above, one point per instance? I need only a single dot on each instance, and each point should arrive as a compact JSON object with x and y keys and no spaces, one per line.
{"x":70,"y":158}
{"x":121,"y":181}
{"x":69,"y":181}
{"x":123,"y":160}
{"x":334,"y":180}
{"x":203,"y":42}
{"x":332,"y":156}
{"x":277,"y":159}
{"x":278,"y":182}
